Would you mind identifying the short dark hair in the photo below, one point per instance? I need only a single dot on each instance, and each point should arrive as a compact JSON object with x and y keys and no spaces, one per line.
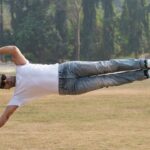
{"x":2,"y":78}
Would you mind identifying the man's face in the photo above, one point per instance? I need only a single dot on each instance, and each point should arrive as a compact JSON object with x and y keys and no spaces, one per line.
{"x":8,"y":82}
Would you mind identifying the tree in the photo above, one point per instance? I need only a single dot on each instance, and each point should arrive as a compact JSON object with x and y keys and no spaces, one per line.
{"x":74,"y":17}
{"x":134,"y":26}
{"x":146,"y":23}
{"x":88,"y":29}
{"x":108,"y":29}
{"x":1,"y":22}
{"x":1,"y":26}
{"x":61,"y":26}
{"x":32,"y":28}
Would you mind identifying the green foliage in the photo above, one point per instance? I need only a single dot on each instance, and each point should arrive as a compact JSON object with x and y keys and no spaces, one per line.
{"x":54,"y":30}
{"x":36,"y":33}
{"x":61,"y":26}
{"x":88,"y":30}
{"x":108,"y":29}
{"x":134,"y":27}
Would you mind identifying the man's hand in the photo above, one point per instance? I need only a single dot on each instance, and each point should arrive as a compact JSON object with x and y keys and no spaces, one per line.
{"x":17,"y":57}
{"x":6,"y":114}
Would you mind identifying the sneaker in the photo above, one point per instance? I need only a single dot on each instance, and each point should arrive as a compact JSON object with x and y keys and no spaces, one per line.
{"x":148,"y":63}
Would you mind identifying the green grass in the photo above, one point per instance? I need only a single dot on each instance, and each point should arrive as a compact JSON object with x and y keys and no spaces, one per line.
{"x":115,"y":118}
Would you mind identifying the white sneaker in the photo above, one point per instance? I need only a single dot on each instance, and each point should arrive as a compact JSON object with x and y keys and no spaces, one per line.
{"x":148,"y":63}
{"x":148,"y":73}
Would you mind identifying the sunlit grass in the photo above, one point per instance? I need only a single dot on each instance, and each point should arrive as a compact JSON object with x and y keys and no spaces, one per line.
{"x":7,"y":68}
{"x":115,"y":118}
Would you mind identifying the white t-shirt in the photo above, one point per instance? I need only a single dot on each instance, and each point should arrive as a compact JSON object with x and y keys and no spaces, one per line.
{"x":33,"y":81}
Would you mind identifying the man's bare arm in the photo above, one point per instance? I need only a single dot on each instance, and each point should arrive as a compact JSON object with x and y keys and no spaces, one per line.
{"x":6,"y":114}
{"x":17,"y":57}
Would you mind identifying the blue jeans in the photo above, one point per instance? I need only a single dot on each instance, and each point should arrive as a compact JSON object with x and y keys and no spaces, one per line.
{"x":77,"y":77}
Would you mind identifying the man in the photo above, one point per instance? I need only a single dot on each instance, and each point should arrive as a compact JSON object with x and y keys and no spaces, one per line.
{"x":69,"y":78}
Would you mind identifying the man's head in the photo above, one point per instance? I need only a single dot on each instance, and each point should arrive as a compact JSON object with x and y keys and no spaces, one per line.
{"x":7,"y":82}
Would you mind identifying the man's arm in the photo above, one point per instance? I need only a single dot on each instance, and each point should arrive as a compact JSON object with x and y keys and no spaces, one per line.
{"x":17,"y":57}
{"x":6,"y":114}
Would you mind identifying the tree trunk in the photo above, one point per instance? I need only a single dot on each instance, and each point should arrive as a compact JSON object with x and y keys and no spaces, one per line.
{"x":1,"y":21}
{"x":1,"y":26}
{"x":77,"y":38}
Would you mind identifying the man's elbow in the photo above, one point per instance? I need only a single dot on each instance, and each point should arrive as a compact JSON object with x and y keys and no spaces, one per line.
{"x":15,"y":49}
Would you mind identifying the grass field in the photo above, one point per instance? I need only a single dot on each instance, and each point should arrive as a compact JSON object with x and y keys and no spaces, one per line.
{"x":115,"y":118}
